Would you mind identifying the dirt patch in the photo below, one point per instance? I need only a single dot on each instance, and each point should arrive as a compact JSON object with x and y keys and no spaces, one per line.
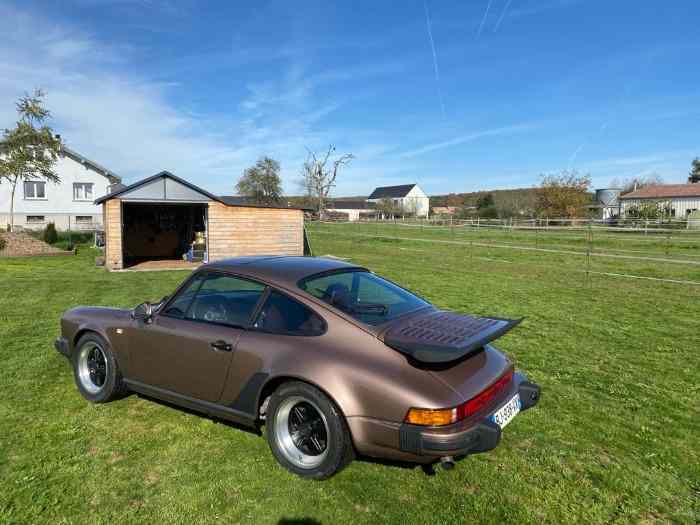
{"x":19,"y":244}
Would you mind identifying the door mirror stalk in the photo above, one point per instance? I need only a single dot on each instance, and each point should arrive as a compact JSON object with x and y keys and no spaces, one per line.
{"x":143,"y":312}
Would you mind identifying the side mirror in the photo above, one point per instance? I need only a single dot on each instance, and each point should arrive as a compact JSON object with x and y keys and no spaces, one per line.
{"x":143,"y":312}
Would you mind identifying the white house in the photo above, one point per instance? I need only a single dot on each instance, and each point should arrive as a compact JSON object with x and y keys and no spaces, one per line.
{"x":681,"y":199}
{"x":69,"y":203}
{"x":408,"y":197}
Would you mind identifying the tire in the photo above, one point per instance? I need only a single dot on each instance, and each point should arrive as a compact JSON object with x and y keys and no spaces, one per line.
{"x":325,"y":446}
{"x":96,"y":371}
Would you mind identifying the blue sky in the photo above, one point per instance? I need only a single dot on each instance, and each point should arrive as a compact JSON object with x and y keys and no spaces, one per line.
{"x":457,"y":96}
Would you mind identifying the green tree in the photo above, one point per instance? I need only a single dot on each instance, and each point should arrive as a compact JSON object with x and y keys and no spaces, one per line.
{"x":563,"y":195}
{"x":694,"y":175}
{"x":262,"y":182}
{"x":485,"y":201}
{"x":30,"y":149}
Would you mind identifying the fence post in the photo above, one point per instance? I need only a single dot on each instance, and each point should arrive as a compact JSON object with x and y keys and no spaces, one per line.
{"x":588,"y":254}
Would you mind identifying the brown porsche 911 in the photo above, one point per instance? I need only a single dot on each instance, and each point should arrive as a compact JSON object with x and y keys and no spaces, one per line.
{"x":332,"y":359}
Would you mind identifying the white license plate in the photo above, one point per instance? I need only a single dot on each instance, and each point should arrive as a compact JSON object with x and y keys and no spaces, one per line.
{"x":507,"y":412}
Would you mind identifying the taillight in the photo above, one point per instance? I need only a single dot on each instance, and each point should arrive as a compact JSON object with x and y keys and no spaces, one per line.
{"x":447,"y":416}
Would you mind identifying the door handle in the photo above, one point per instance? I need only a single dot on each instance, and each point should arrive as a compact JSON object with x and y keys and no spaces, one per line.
{"x":220,"y":346}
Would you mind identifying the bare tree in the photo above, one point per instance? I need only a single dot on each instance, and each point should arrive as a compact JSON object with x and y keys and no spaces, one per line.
{"x":637,"y":182}
{"x":319,"y":174}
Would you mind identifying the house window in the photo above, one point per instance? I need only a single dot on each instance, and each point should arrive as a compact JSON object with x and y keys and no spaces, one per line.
{"x":83,"y":219}
{"x":82,"y":191}
{"x":34,"y":189}
{"x":35,"y":219}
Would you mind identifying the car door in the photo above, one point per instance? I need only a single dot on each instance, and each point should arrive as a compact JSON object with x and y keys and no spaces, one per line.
{"x":188,"y":345}
{"x":281,"y":327}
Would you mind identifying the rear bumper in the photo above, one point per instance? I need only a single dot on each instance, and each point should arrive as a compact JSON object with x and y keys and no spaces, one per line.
{"x":457,"y":440}
{"x":61,"y":346}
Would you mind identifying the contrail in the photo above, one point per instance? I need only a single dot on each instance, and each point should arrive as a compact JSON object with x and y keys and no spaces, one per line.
{"x":435,"y":62}
{"x":483,"y":20}
{"x":503,"y":15}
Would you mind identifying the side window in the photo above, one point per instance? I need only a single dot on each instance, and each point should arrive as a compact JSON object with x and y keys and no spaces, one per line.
{"x":179,"y":306}
{"x":225,"y":299}
{"x":282,"y":315}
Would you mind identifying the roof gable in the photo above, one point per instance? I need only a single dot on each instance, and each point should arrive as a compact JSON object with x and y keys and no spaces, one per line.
{"x":391,"y":192}
{"x":163,"y":186}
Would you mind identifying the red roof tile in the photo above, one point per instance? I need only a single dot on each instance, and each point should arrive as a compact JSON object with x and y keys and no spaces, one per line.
{"x":664,"y":191}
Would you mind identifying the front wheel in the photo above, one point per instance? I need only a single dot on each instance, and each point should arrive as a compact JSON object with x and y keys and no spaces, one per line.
{"x":95,"y":369}
{"x":306,"y":432}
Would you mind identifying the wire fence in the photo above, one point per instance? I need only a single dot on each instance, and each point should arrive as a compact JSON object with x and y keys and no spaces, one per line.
{"x":671,"y":257}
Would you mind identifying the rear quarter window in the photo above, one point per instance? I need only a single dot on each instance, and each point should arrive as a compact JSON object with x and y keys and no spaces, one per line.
{"x":285,"y":316}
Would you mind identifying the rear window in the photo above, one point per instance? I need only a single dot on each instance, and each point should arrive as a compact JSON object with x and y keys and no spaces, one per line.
{"x":363,"y":295}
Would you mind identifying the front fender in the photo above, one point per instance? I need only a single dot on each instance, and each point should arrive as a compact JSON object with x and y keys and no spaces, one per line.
{"x":103,"y":321}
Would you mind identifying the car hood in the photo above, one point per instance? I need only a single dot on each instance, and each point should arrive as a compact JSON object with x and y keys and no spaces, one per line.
{"x":95,"y":313}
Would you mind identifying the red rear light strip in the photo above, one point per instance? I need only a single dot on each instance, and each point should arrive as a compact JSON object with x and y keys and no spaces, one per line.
{"x":478,"y":402}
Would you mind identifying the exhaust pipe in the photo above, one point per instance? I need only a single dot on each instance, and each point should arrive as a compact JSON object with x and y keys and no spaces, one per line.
{"x":447,"y":462}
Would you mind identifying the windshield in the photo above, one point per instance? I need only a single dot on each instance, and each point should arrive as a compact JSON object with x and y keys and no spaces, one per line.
{"x":363,"y":295}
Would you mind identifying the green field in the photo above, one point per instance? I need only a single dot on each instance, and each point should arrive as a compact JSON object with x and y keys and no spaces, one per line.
{"x":614,"y":439}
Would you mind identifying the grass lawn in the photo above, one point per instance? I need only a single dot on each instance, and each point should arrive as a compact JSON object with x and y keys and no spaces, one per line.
{"x":614,"y":439}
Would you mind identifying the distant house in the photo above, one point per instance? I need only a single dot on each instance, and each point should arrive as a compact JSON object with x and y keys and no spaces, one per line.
{"x":353,"y":209}
{"x":68,"y":203}
{"x":445,"y":210}
{"x":681,"y":199}
{"x":407,"y":197}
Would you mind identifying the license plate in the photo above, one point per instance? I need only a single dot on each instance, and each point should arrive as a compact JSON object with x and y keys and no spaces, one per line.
{"x":507,"y":412}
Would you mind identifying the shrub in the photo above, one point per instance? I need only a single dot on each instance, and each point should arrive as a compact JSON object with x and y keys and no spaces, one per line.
{"x":3,"y":243}
{"x":50,"y":234}
{"x":489,"y":213}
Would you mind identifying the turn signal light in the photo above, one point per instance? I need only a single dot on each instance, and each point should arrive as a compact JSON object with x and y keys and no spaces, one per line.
{"x":427,"y":417}
{"x":447,"y":416}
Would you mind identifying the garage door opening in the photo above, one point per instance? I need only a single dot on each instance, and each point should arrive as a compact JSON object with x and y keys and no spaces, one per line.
{"x":164,"y":234}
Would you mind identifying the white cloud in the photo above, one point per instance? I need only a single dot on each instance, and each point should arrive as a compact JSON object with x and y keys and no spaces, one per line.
{"x":127,"y":123}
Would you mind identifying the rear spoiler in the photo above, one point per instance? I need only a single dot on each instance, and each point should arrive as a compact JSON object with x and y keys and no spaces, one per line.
{"x":441,"y":337}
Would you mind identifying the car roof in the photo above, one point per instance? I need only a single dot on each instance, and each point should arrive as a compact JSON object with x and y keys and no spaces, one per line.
{"x":282,"y":270}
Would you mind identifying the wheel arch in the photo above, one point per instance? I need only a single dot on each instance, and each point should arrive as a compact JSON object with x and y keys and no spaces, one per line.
{"x":274,"y":382}
{"x":83,"y":331}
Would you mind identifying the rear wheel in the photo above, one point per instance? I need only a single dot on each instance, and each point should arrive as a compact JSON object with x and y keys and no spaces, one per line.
{"x":95,"y":370}
{"x":306,"y":432}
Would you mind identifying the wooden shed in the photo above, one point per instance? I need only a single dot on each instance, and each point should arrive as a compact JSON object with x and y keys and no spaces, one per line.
{"x":165,"y":218}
